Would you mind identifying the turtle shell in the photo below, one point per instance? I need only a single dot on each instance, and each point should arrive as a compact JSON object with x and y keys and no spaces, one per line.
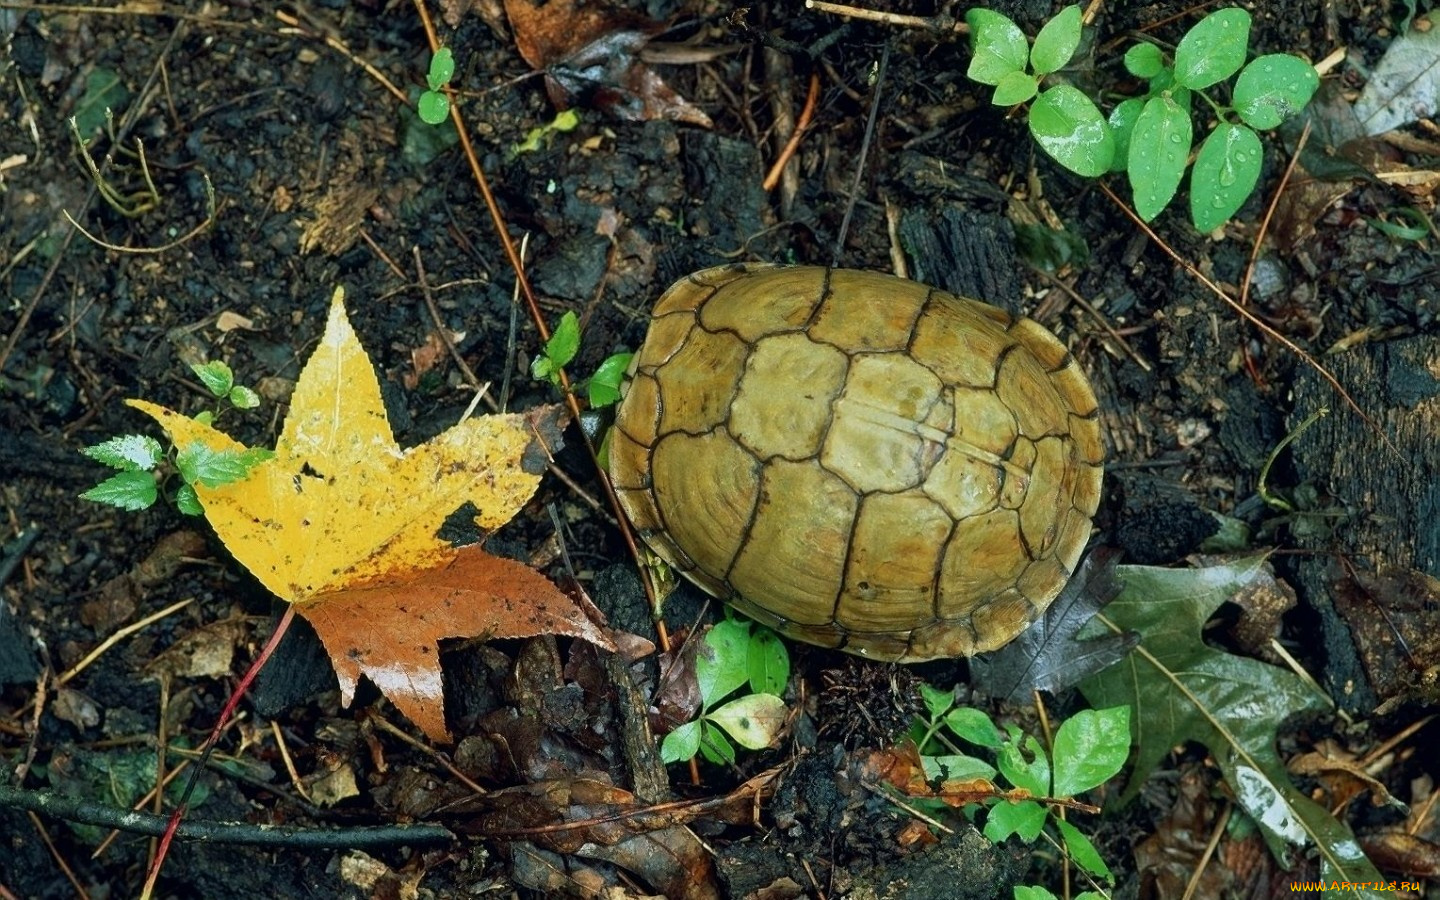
{"x":857,"y":460}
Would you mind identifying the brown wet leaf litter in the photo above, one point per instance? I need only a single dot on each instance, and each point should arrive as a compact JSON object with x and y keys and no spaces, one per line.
{"x":323,"y":180}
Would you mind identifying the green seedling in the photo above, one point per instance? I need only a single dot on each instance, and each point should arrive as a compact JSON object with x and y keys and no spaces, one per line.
{"x":141,"y":459}
{"x":602,"y":388}
{"x":1089,"y":749}
{"x":434,"y":106}
{"x":131,"y":203}
{"x":560,"y":349}
{"x":737,"y":656}
{"x":538,"y":138}
{"x":1150,"y":137}
{"x":1033,"y":892}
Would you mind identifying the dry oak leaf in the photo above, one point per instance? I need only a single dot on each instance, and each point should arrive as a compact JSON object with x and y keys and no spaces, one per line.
{"x":342,"y":523}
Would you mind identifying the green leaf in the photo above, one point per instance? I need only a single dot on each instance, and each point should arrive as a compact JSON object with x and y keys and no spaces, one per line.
{"x":1050,"y":249}
{"x":970,"y":724}
{"x":543,"y":369}
{"x":1014,"y":88}
{"x":754,"y":720}
{"x":1144,"y":60}
{"x":1274,"y":87}
{"x":1082,"y":851}
{"x":714,"y":746}
{"x":1418,"y":229}
{"x":566,"y":120}
{"x":957,"y":767}
{"x":205,"y":417}
{"x":938,"y":702}
{"x":200,"y":464}
{"x":128,"y":452}
{"x":1122,"y":126}
{"x":442,"y":69}
{"x":997,"y":46}
{"x":103,"y":91}
{"x":242,"y":397}
{"x":1226,"y":171}
{"x":604,"y":385}
{"x":681,"y":744}
{"x":1181,"y":689}
{"x":1032,"y":774}
{"x":564,"y":342}
{"x":1090,"y":748}
{"x":1159,"y":148}
{"x":768,"y":663}
{"x":1068,"y":126}
{"x":1214,"y":49}
{"x":127,"y":490}
{"x":721,"y":664}
{"x":216,"y":376}
{"x":188,"y":502}
{"x":433,"y":107}
{"x":1056,"y":42}
{"x":1025,"y":819}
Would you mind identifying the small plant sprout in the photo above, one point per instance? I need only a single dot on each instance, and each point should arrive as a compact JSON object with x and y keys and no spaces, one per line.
{"x":559,"y":350}
{"x":1150,"y":137}
{"x":141,"y":459}
{"x":1089,"y":749}
{"x":735,"y":655}
{"x":136,"y":456}
{"x":602,"y":388}
{"x":536,"y":138}
{"x":434,"y":106}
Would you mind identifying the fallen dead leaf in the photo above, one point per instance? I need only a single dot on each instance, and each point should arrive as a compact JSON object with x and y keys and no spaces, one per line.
{"x":334,"y":782}
{"x":343,"y":523}
{"x":424,"y":358}
{"x":590,"y":54}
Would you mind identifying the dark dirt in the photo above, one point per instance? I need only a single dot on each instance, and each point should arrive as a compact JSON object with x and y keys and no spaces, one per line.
{"x":323,"y":178}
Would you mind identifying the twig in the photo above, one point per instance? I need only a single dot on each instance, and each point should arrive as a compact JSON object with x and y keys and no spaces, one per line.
{"x":221,"y":723}
{"x":441,"y":328}
{"x":334,"y":44}
{"x":876,"y":91}
{"x":434,"y":754}
{"x":59,"y":860}
{"x":289,"y":763}
{"x":16,"y":550}
{"x":513,"y":256}
{"x":1104,"y":323}
{"x":1216,"y":833}
{"x":1249,"y":316}
{"x":928,"y":23}
{"x":806,"y":114}
{"x":140,"y":804}
{"x":87,"y":812}
{"x":119,"y":636}
{"x":212,"y":213}
{"x":127,"y":122}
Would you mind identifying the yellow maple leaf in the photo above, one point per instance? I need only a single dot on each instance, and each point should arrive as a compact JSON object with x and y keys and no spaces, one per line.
{"x":343,"y":523}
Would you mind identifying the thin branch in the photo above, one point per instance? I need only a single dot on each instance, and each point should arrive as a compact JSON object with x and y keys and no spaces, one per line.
{"x":87,"y":812}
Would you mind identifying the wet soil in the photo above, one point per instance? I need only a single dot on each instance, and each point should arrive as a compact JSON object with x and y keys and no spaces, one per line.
{"x":322,"y":177}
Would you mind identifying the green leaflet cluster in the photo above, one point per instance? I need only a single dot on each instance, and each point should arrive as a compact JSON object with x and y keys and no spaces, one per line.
{"x":1149,"y":137}
{"x":141,"y":460}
